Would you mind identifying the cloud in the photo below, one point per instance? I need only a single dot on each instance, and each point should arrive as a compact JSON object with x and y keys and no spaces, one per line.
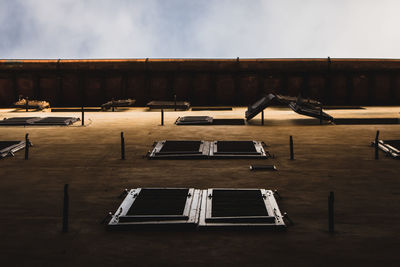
{"x":199,"y":29}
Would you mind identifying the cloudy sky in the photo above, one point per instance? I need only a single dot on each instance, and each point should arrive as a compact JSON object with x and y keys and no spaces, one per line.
{"x":199,"y":29}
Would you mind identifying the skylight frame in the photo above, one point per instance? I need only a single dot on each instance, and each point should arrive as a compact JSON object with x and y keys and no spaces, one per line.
{"x":260,"y":153}
{"x":273,"y":221}
{"x":189,"y":217}
{"x":155,"y":153}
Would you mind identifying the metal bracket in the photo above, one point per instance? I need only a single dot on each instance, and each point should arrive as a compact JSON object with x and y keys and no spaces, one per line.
{"x":124,"y":193}
{"x":286,"y":216}
{"x":264,"y":144}
{"x":276,"y":194}
{"x":108,"y":216}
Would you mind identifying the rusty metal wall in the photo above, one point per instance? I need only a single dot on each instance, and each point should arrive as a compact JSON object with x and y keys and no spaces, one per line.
{"x":200,"y":81}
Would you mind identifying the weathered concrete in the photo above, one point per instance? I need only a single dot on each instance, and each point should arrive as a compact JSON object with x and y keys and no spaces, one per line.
{"x":208,"y":82}
{"x":327,"y":158}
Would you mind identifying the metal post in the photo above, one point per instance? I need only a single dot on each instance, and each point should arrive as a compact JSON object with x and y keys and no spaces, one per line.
{"x":377,"y":145}
{"x":162,"y":117}
{"x":65,"y":210}
{"x":26,"y":146}
{"x":262,"y":117}
{"x":122,"y":146}
{"x":175,"y":102}
{"x":291,"y":148}
{"x":331,"y":199}
{"x":83,"y":116}
{"x":320,"y":115}
{"x":27,"y":104}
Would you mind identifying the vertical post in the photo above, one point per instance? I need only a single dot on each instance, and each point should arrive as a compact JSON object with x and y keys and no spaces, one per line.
{"x":331,"y":199}
{"x":83,"y":115}
{"x":81,"y":82}
{"x":65,"y":210}
{"x":175,"y":102}
{"x":262,"y":117}
{"x":320,"y":115}
{"x":162,"y":117}
{"x":27,"y":104}
{"x":377,"y":145}
{"x":122,"y":146}
{"x":291,"y":148}
{"x":26,"y":146}
{"x":112,"y":104}
{"x":328,"y":85}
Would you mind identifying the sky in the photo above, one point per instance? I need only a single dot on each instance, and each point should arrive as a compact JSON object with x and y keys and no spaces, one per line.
{"x":91,"y":29}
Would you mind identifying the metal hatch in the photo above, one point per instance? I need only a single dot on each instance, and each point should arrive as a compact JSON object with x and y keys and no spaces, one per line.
{"x":207,"y":120}
{"x":169,"y":149}
{"x":391,"y":147}
{"x":181,"y":105}
{"x":238,"y":149}
{"x":307,"y":107}
{"x":19,"y":121}
{"x":118,"y":103}
{"x":289,"y":99}
{"x":228,"y":122}
{"x":259,"y":106}
{"x":38,"y":121}
{"x":8,"y":148}
{"x":309,"y":110}
{"x":194,"y":120}
{"x":157,"y":206}
{"x":365,"y":121}
{"x":56,"y":121}
{"x":240,"y":208}
{"x":180,"y":149}
{"x":299,"y":105}
{"x":211,"y":108}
